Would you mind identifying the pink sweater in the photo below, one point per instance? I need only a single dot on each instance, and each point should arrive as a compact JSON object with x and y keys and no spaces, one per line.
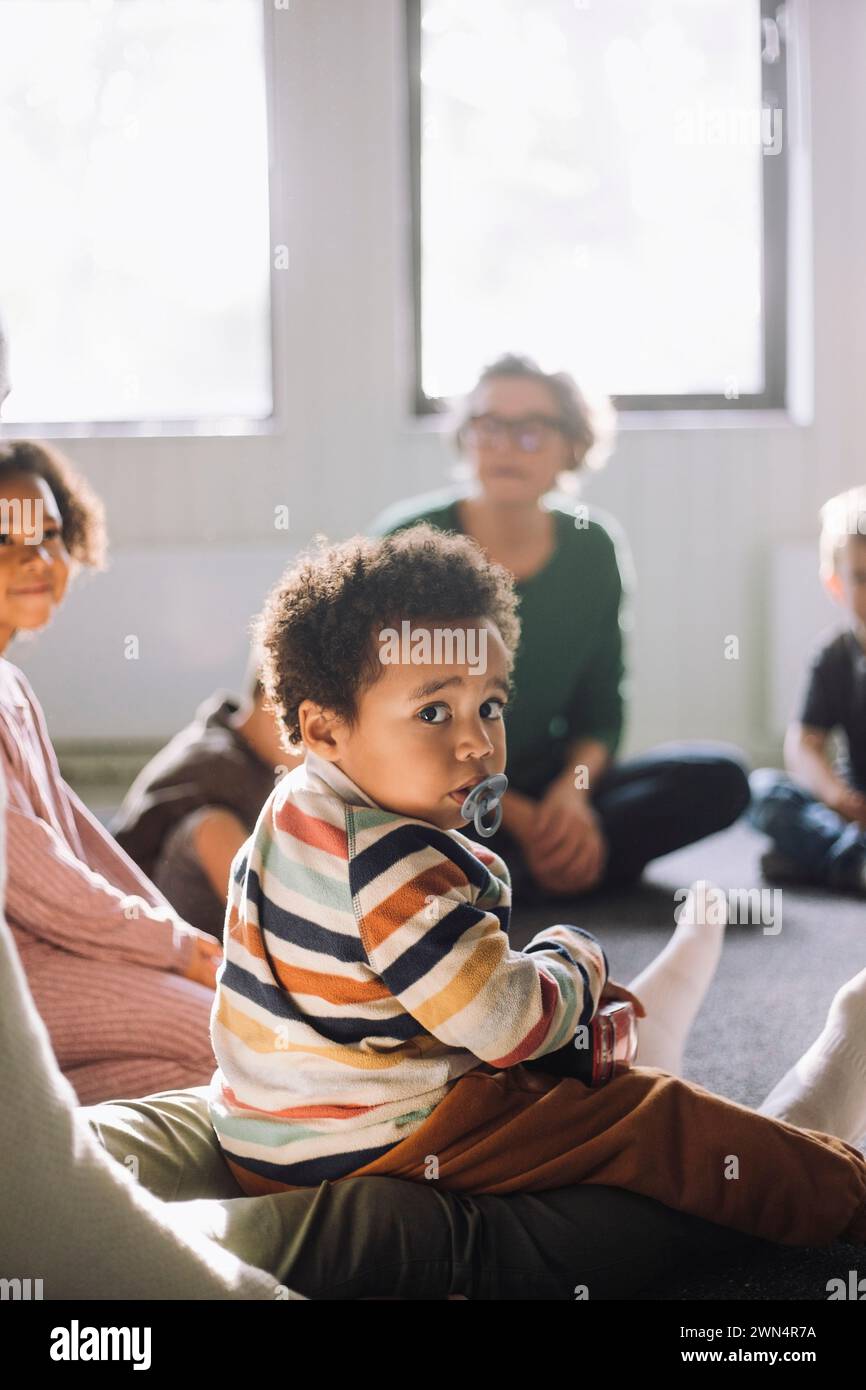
{"x":103,"y":951}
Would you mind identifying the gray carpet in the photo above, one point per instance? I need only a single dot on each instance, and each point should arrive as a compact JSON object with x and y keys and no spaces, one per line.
{"x":767,"y":1003}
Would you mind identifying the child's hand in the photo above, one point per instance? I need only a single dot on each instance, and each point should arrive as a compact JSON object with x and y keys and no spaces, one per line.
{"x":850,"y":804}
{"x":612,"y":991}
{"x":206,"y":957}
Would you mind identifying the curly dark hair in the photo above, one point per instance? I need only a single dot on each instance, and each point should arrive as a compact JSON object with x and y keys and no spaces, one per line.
{"x":317,"y":629}
{"x":81,"y":511}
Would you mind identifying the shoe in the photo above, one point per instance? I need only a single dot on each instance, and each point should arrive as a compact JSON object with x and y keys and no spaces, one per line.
{"x":778,"y":868}
{"x":853,"y":879}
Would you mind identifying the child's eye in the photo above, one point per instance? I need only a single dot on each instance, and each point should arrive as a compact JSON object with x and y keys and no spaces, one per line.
{"x":500,"y":707}
{"x":427,"y":709}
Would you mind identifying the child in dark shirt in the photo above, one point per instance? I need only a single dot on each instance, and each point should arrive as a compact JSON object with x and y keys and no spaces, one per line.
{"x":192,"y":807}
{"x":816,"y":814}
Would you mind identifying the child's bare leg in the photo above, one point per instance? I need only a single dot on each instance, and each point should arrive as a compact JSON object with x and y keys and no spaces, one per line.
{"x":826,"y":1088}
{"x":673,"y":986}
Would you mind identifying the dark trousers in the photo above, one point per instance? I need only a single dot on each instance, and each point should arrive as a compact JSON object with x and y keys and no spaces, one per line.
{"x":373,"y":1237}
{"x":649,"y":806}
{"x":827,"y":848}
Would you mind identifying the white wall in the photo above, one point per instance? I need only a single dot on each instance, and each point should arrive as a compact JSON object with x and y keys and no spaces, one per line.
{"x":703,"y":507}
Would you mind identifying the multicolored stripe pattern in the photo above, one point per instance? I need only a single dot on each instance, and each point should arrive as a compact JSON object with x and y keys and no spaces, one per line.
{"x":367,"y":967}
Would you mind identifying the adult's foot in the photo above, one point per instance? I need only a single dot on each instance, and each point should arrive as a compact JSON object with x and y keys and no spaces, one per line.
{"x":826,"y":1088}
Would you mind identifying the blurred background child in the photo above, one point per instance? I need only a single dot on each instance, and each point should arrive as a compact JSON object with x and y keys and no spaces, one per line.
{"x":815,"y":812}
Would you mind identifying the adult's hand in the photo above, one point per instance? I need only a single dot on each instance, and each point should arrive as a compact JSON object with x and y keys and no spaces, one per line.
{"x":519,"y":813}
{"x":206,"y":958}
{"x":565,"y":847}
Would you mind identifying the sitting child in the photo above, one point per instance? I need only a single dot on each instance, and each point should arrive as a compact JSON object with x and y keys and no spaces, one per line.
{"x":371,"y":1016}
{"x":192,"y":807}
{"x":816,"y":816}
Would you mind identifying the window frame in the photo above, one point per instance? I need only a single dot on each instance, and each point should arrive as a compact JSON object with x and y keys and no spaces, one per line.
{"x":206,"y":427}
{"x":775,"y":235}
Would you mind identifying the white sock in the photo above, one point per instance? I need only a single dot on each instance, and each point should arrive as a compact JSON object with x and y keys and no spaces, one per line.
{"x":826,"y":1088}
{"x":673,"y":986}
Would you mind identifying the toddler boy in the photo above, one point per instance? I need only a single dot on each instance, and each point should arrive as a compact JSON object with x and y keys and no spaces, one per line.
{"x":370,"y":1015}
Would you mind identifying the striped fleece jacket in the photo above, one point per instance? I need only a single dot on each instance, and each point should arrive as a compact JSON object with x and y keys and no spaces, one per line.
{"x":367,"y":967}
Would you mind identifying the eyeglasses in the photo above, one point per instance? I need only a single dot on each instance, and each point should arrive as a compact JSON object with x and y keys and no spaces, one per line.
{"x":530,"y":434}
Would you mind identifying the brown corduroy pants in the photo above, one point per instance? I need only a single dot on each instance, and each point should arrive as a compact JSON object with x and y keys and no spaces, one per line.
{"x":648,"y":1132}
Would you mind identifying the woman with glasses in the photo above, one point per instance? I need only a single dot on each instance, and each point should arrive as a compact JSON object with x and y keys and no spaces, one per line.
{"x":573,"y":818}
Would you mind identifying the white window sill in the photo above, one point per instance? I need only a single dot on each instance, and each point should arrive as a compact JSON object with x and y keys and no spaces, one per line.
{"x":650,"y":421}
{"x":141,"y":429}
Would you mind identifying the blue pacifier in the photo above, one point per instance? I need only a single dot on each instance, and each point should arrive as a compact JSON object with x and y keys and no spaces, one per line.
{"x":486,"y":796}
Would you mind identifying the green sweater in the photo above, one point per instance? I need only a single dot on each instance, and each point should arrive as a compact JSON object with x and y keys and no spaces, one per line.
{"x":569,"y":671}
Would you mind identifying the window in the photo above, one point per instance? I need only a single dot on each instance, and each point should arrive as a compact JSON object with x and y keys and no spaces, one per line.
{"x":601,"y":185}
{"x":134,"y":244}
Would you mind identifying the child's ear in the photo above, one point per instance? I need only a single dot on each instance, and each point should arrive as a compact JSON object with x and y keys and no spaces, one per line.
{"x":318,"y":728}
{"x":833,"y":585}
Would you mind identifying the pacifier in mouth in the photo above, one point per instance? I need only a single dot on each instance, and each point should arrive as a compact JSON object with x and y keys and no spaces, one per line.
{"x":486,"y":796}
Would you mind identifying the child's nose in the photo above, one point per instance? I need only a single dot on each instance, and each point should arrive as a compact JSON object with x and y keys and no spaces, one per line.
{"x":475,"y":743}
